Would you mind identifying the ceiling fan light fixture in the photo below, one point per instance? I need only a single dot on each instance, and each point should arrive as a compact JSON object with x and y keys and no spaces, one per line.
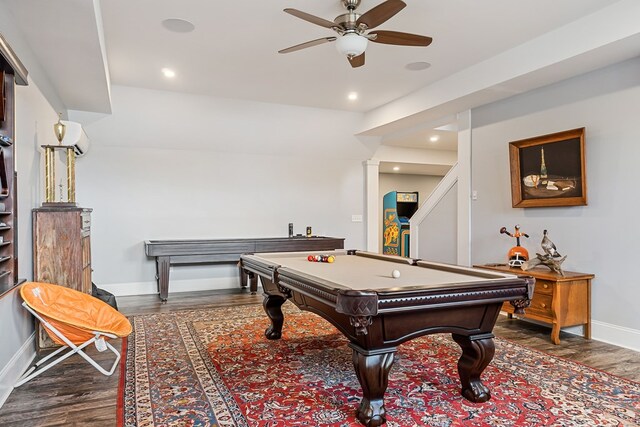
{"x":351,"y":44}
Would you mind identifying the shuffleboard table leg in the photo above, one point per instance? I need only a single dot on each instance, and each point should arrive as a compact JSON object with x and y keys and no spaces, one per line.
{"x":247,"y":277}
{"x":163,"y":264}
{"x":243,"y":275}
{"x":477,"y":352}
{"x":253,"y":283}
{"x":372,"y":370}
{"x":273,"y":307}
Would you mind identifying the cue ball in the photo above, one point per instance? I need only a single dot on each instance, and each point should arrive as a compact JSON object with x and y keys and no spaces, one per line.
{"x":395,"y":274}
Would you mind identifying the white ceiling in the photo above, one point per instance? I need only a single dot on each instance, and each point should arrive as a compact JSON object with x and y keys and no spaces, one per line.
{"x":233,"y":50}
{"x":87,"y":45}
{"x":413,"y":168}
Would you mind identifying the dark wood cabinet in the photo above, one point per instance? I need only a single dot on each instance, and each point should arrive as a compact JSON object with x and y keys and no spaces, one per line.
{"x":8,"y":194}
{"x":12,"y":73}
{"x":558,"y":300}
{"x":62,"y":247}
{"x":1,"y":96}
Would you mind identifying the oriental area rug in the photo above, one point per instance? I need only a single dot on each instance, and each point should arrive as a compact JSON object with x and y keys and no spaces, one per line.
{"x":215,"y":368}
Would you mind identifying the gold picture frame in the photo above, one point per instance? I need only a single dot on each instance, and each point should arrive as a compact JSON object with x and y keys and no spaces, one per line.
{"x":549,"y":170}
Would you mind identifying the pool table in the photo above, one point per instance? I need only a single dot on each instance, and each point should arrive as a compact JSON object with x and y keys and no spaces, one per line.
{"x":377,"y":312}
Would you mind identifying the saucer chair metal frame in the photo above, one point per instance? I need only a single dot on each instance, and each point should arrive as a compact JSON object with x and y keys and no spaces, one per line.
{"x":98,"y":337}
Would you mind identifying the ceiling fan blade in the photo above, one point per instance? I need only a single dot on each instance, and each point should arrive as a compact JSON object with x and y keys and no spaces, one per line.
{"x":310,"y":18}
{"x":381,"y":13}
{"x":357,"y":61}
{"x":307,"y":44}
{"x":398,"y":38}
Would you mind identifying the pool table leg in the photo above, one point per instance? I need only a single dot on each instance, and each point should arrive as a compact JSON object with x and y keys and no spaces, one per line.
{"x":372,"y":370}
{"x":273,"y":307}
{"x":477,"y":352}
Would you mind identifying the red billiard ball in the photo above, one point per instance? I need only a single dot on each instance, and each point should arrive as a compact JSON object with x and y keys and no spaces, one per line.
{"x":311,"y":258}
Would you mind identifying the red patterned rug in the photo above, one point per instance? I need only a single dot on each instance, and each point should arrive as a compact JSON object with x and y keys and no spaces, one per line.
{"x":215,"y":368}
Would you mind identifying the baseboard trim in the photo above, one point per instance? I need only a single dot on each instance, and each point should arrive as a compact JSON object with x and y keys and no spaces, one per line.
{"x":16,"y":366}
{"x":601,"y":331}
{"x":616,"y":335}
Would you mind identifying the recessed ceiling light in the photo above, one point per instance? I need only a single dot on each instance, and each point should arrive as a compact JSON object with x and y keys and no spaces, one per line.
{"x":352,"y":96}
{"x":178,"y":25}
{"x":396,"y":168}
{"x":417,"y":66}
{"x":434,"y":138}
{"x":168,"y":73}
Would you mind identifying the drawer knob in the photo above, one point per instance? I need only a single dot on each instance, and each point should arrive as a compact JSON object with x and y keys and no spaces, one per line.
{"x":546,"y":286}
{"x":543,"y":305}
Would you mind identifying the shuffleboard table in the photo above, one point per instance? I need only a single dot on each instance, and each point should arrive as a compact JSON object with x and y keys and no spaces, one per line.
{"x":377,"y":312}
{"x":210,"y":251}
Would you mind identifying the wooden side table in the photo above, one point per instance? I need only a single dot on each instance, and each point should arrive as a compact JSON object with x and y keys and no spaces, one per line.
{"x":560,"y":301}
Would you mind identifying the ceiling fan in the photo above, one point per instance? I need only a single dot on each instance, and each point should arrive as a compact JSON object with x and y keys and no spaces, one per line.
{"x":352,"y":29}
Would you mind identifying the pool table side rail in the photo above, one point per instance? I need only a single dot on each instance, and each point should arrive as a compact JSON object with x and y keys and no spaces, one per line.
{"x":302,"y":283}
{"x":517,"y":288}
{"x":383,"y":257}
{"x":461,"y":269}
{"x":257,"y":265}
{"x":357,"y":302}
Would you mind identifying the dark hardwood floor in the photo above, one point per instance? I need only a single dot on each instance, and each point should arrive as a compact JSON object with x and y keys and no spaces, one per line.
{"x":75,"y":394}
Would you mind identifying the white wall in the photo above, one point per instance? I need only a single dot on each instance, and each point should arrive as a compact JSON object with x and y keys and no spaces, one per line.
{"x":423,"y":184}
{"x":170,"y":165}
{"x":600,"y":238}
{"x":439,"y":230}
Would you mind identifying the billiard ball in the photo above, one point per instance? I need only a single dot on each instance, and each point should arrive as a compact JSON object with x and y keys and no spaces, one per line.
{"x":318,"y":258}
{"x":311,"y":258}
{"x":395,"y":274}
{"x":331,"y":258}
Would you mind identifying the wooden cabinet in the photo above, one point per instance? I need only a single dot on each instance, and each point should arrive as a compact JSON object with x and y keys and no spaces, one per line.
{"x":61,"y":253}
{"x":558,"y":300}
{"x":62,"y":247}
{"x":8,"y":187}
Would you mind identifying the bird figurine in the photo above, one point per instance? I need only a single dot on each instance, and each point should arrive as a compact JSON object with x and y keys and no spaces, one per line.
{"x":549,"y":247}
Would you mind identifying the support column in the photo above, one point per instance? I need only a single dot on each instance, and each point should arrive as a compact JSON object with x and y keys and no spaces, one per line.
{"x":464,"y":188}
{"x":372,"y":189}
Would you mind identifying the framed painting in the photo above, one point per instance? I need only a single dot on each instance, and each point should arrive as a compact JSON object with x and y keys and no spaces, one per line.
{"x":548,"y":170}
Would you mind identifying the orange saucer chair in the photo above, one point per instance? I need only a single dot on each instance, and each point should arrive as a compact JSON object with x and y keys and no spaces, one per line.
{"x":74,"y":320}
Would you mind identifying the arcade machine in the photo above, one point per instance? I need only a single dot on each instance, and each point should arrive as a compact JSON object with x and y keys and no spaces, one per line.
{"x":398,"y":208}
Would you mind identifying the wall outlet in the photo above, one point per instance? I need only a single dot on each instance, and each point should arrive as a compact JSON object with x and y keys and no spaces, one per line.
{"x":356,"y":218}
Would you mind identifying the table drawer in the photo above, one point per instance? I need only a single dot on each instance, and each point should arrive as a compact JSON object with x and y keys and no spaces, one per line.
{"x":543,"y":287}
{"x":86,"y":221}
{"x":540,"y":304}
